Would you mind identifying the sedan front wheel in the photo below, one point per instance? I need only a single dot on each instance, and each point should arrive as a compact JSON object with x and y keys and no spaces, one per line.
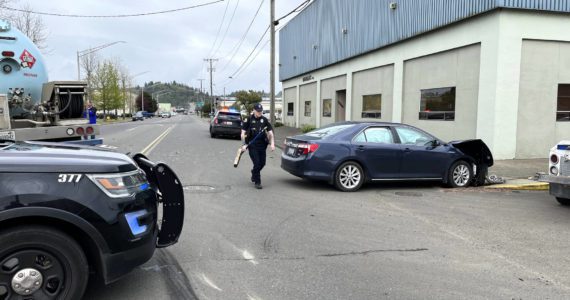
{"x":349,"y":177}
{"x":460,"y":174}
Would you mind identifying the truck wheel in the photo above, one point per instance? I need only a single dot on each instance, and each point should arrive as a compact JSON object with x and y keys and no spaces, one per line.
{"x":563,"y":201}
{"x":349,"y":177}
{"x":38,"y":262}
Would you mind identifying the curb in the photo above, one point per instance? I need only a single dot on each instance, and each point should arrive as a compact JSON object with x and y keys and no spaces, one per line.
{"x":540,"y":186}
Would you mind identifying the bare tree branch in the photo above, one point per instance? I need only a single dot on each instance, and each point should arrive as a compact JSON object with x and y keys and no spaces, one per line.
{"x":29,"y":24}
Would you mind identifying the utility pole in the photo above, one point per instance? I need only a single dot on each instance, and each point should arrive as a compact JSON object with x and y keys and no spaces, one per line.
{"x":211,"y":70}
{"x":272,"y":62}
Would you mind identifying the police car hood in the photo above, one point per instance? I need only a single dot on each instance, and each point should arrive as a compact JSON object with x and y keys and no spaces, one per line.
{"x":28,"y":157}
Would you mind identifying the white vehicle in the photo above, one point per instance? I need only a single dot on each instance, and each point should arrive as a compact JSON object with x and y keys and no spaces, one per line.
{"x":559,"y":172}
{"x":165,"y":115}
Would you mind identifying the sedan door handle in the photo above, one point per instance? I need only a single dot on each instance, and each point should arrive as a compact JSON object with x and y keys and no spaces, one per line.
{"x":407,"y":150}
{"x":360,"y":148}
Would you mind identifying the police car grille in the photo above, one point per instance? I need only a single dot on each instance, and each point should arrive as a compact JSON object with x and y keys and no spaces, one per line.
{"x":565,"y":168}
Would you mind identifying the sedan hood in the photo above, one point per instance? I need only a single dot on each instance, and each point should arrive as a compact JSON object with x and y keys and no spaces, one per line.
{"x":477,"y":149}
{"x":27,"y":157}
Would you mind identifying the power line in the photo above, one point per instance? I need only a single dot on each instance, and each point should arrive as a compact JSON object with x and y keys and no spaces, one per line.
{"x":253,"y":50}
{"x":220,"y":28}
{"x":243,"y":37}
{"x":295,"y":10}
{"x":110,"y":16}
{"x":250,"y":62}
{"x":228,"y":28}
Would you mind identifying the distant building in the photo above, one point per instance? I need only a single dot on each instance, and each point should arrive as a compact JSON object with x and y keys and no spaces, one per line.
{"x":463,"y":69}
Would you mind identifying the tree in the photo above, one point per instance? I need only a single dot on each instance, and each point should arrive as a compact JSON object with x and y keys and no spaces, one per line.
{"x":89,"y":64}
{"x":246,"y":99}
{"x":28,"y":23}
{"x":108,"y":94}
{"x":150,"y":104}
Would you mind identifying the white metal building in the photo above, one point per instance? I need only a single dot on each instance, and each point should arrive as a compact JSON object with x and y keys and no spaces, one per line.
{"x":497,"y":70}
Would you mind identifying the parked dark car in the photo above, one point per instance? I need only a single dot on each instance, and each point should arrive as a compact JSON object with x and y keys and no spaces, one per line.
{"x":226,"y":123}
{"x":138,"y":116}
{"x":351,"y":153}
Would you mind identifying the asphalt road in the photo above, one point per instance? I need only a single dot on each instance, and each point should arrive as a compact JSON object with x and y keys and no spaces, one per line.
{"x":301,"y":240}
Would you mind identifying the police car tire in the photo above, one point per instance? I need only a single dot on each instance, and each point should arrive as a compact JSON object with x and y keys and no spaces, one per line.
{"x":65,"y":250}
{"x":212,"y":135}
{"x":563,"y":201}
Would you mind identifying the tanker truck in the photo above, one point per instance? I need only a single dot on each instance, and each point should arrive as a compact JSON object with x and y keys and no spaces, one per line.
{"x":31,"y":107}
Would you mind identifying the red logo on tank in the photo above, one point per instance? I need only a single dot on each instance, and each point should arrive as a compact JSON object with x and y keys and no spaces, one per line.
{"x":28,"y":60}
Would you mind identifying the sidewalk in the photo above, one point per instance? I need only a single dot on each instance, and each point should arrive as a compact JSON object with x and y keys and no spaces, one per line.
{"x":517,"y":172}
{"x":283,"y":132}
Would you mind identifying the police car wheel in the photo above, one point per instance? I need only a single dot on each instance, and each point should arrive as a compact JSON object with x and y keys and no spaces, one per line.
{"x":349,"y":177}
{"x":38,"y":262}
{"x":563,"y":201}
{"x":212,"y":134}
{"x":460,"y":175}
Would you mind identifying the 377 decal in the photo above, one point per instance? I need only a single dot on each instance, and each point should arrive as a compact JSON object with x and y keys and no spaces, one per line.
{"x":69,"y":178}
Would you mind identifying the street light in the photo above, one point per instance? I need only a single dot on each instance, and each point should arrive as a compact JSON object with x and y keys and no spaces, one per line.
{"x":89,"y":51}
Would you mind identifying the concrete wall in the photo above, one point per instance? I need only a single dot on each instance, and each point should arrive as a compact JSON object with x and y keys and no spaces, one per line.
{"x":544,"y":65}
{"x":371,"y":82}
{"x":308,"y":92}
{"x":455,"y":68}
{"x":328,"y":91}
{"x":289,"y":96}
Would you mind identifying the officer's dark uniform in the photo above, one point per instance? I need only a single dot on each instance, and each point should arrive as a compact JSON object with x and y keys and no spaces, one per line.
{"x":252,"y":126}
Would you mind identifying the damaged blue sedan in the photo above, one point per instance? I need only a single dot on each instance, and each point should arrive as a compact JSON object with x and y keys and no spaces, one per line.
{"x":349,"y":154}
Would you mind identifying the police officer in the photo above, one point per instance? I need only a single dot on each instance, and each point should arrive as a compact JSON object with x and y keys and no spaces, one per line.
{"x":252,"y":126}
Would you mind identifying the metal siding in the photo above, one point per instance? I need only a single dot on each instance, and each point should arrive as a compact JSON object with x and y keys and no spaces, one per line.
{"x":371,"y":24}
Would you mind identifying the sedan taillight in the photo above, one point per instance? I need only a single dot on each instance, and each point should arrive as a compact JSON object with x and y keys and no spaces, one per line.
{"x":308,"y":148}
{"x":215,"y":120}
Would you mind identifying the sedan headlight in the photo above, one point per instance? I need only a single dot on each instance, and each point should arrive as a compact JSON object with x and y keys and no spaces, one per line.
{"x":122,"y":184}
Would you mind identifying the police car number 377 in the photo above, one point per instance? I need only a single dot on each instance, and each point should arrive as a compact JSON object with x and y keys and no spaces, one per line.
{"x":69,"y":178}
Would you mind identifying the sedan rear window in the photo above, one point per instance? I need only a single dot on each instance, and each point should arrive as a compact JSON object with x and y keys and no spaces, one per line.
{"x":328,"y":131}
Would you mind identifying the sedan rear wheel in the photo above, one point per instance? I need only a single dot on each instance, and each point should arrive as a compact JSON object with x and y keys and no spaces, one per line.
{"x":349,"y":177}
{"x":460,"y":174}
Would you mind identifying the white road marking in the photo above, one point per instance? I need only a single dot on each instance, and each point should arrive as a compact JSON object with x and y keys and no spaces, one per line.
{"x":250,"y":297}
{"x":132,"y":129}
{"x":210,"y":283}
{"x":248,"y":256}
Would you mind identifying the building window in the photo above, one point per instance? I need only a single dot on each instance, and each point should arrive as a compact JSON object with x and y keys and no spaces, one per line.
{"x":307,"y":108}
{"x":563,"y":103}
{"x":371,"y":106}
{"x":438,"y":104}
{"x":290,"y":108}
{"x":327,"y":107}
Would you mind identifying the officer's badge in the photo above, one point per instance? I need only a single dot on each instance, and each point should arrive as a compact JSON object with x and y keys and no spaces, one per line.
{"x":261,"y":121}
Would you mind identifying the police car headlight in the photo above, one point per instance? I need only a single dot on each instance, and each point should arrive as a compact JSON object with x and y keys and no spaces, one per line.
{"x":122,"y":184}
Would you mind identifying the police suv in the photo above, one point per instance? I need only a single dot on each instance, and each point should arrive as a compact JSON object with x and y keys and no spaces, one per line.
{"x":70,"y":211}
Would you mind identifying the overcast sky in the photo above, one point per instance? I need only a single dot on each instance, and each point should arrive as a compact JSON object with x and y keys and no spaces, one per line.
{"x":170,"y":46}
